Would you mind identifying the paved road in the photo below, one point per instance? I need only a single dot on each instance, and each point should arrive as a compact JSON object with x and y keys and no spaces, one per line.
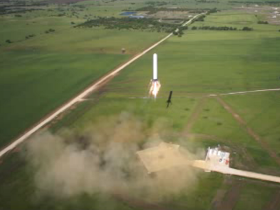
{"x":80,"y":97}
{"x":225,"y":170}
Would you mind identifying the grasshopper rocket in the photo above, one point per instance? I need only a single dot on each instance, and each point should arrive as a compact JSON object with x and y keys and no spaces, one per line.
{"x":155,"y":84}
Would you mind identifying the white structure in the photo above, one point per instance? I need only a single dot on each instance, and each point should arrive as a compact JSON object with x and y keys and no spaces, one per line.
{"x":216,"y":157}
{"x":155,"y":67}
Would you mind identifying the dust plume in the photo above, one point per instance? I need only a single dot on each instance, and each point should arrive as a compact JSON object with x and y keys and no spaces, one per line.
{"x":103,"y":159}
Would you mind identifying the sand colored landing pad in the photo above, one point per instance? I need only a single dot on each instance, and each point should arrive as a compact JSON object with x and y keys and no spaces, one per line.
{"x":168,"y":155}
{"x":163,"y":156}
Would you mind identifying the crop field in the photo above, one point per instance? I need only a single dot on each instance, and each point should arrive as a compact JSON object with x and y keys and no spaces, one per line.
{"x":198,"y":67}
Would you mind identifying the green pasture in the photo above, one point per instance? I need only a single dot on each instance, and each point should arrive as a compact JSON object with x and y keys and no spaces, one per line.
{"x":238,"y":19}
{"x":196,"y":65}
{"x":254,"y":195}
{"x":59,"y":65}
{"x":214,"y":120}
{"x":261,"y":112}
{"x":39,"y":74}
{"x":206,"y":62}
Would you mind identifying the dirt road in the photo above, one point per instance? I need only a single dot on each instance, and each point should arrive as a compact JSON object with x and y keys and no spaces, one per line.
{"x":226,"y":170}
{"x":244,"y":92}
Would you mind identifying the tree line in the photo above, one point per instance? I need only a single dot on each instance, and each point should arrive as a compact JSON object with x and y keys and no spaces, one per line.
{"x":220,"y":28}
{"x":129,"y":23}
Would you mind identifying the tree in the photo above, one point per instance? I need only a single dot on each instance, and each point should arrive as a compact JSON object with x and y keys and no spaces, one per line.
{"x":247,"y":29}
{"x":262,"y":22}
{"x":8,"y":41}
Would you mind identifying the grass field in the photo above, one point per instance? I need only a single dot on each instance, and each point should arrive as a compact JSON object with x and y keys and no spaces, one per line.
{"x":257,"y":109}
{"x":238,"y":61}
{"x":41,"y":73}
{"x":193,"y":66}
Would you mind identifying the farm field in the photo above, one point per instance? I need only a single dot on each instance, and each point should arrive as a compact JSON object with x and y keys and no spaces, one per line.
{"x":41,"y":73}
{"x":198,"y":67}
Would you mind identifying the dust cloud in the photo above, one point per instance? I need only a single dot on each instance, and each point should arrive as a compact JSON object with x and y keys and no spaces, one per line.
{"x":103,"y":159}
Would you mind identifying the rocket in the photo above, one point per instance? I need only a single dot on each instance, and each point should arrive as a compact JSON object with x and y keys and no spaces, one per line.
{"x":155,"y":84}
{"x":155,"y":67}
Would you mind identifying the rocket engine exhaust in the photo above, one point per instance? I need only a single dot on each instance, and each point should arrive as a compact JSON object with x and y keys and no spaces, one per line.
{"x":155,"y":84}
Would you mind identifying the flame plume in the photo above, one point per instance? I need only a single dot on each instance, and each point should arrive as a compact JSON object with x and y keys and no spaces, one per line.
{"x":154,"y":89}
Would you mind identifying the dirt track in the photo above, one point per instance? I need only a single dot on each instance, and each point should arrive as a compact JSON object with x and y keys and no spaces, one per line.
{"x":249,"y":130}
{"x":244,"y":92}
{"x":195,"y":114}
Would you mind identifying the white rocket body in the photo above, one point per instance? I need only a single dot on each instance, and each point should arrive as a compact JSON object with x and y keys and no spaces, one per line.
{"x":155,"y":84}
{"x":155,"y":67}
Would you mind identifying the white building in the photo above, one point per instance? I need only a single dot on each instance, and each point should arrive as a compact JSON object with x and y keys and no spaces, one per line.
{"x":216,"y":157}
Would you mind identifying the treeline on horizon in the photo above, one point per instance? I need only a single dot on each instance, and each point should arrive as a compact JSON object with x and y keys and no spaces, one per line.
{"x":152,"y":9}
{"x":255,"y":2}
{"x":129,"y":23}
{"x":221,"y":28}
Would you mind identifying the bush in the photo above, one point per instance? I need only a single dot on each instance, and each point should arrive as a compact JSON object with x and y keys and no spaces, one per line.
{"x":247,"y":29}
{"x":219,"y":28}
{"x":262,"y":22}
{"x":29,"y":36}
{"x":212,"y":11}
{"x":49,"y":31}
{"x":201,"y":18}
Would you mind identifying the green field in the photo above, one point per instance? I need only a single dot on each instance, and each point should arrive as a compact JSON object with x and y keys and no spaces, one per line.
{"x":259,"y":108}
{"x":200,"y":63}
{"x":41,"y":73}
